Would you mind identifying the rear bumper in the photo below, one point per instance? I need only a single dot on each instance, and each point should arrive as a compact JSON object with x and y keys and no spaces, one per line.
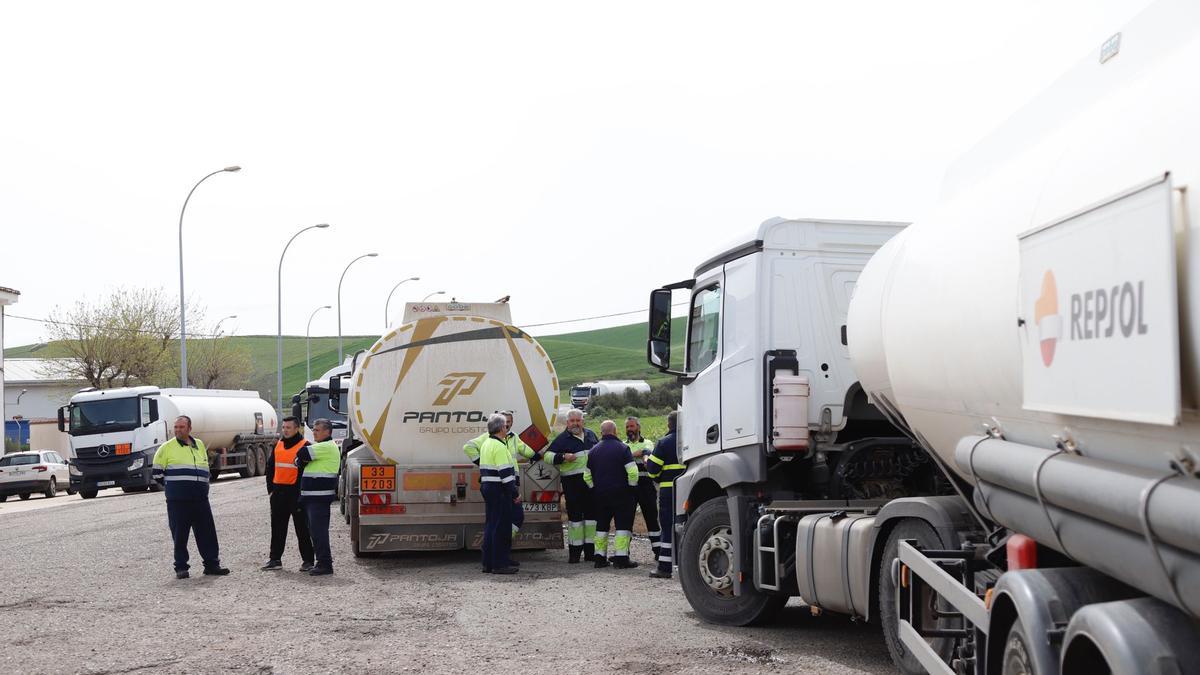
{"x":451,"y":531}
{"x":23,"y":487}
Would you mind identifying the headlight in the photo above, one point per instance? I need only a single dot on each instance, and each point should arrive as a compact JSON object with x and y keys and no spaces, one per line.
{"x":137,"y":464}
{"x":74,"y":471}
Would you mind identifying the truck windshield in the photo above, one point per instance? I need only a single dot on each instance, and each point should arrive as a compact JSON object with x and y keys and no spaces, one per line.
{"x":318,"y":407}
{"x":113,"y":414}
{"x":581,"y":392}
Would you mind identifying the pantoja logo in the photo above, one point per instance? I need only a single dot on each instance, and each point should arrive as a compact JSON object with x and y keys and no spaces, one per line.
{"x":1045,"y":314}
{"x":457,"y":383}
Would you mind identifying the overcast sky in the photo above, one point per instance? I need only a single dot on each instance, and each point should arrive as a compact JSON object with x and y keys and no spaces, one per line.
{"x":574,"y":156}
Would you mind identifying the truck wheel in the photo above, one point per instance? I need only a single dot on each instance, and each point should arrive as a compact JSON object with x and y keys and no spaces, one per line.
{"x":706,"y":572}
{"x":1016,"y":659}
{"x":262,"y":459}
{"x":3,"y":498}
{"x":155,"y":487}
{"x":24,"y":496}
{"x":354,"y":536}
{"x":52,"y":488}
{"x":249,"y":461}
{"x":131,"y":490}
{"x":88,"y":494}
{"x":905,"y":661}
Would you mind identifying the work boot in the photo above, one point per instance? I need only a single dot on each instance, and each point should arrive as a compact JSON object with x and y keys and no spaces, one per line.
{"x":601,"y":562}
{"x":216,"y":571}
{"x":573,"y":554}
{"x":306,"y":566}
{"x":589,"y":551}
{"x":623,"y":563}
{"x":272,"y":565}
{"x":319,"y":570}
{"x":660,"y":574}
{"x":182,"y":574}
{"x":505,"y":570}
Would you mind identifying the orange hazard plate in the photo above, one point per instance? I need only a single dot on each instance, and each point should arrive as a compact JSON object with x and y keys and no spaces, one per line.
{"x":377,"y":479}
{"x":436,"y":482}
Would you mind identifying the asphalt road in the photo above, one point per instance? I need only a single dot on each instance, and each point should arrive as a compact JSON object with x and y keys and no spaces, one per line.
{"x":87,"y":587}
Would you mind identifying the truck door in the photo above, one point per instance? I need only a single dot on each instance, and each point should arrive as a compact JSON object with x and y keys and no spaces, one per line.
{"x":700,"y":426}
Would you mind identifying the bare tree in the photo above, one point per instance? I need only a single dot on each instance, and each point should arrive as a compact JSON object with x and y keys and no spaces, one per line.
{"x":218,"y":363}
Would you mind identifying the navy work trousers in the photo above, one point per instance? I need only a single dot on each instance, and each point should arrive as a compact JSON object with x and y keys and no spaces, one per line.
{"x":193,"y":515}
{"x":666,"y":515}
{"x":317,"y":514}
{"x":497,"y":526}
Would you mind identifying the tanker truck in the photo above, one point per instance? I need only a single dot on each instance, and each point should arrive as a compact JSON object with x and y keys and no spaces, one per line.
{"x":414,"y":399}
{"x":979,"y":430}
{"x":114,"y":433}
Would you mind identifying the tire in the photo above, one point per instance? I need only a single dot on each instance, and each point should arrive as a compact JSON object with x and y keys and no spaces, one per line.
{"x":52,"y":489}
{"x":71,"y":491}
{"x":88,"y":494}
{"x":250,"y":460}
{"x":3,"y":498}
{"x":155,"y":487}
{"x":25,"y":495}
{"x":927,"y":537}
{"x":1016,"y":659}
{"x":262,"y":460}
{"x":131,"y":490}
{"x":354,"y":535}
{"x":706,"y":544}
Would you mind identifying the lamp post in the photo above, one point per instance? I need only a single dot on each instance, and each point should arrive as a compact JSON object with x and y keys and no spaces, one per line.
{"x":387,"y":304}
{"x":307,"y":347}
{"x":217,"y":328}
{"x":182,"y":297}
{"x":433,"y":294}
{"x":339,"y":300}
{"x":279,"y":314}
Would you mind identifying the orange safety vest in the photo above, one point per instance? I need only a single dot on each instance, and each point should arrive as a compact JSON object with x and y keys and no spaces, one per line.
{"x":286,"y":472}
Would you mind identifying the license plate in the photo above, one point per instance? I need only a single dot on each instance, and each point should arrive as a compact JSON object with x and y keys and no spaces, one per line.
{"x":106,"y":483}
{"x":540,"y":507}
{"x":377,"y":479}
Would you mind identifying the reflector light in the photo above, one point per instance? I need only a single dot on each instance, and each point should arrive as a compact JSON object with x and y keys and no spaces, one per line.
{"x":1022,"y":553}
{"x":370,"y":510}
{"x":39,"y":468}
{"x":376,"y":498}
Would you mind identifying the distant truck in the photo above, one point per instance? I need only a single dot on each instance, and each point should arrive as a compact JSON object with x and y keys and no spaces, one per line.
{"x":582,"y":394}
{"x":114,"y":433}
{"x":312,"y":403}
{"x":413,"y":400}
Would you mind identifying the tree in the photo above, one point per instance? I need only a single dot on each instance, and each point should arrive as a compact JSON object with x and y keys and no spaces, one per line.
{"x":217,"y":363}
{"x":128,"y":337}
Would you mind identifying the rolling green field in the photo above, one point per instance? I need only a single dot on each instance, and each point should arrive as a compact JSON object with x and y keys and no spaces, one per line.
{"x":604,"y":354}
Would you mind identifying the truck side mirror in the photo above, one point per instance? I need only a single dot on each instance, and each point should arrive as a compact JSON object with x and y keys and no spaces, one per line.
{"x":658,"y":347}
{"x":335,"y":393}
{"x":296,"y":409}
{"x":62,"y":418}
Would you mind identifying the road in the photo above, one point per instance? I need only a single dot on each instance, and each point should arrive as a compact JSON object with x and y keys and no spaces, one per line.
{"x":87,"y":587}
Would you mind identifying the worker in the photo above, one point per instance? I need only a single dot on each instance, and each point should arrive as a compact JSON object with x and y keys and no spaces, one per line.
{"x":498,"y":483}
{"x":614,"y":478}
{"x":518,"y":449}
{"x":664,"y":467}
{"x":283,"y":490}
{"x":568,"y":452}
{"x":319,"y":464}
{"x":647,"y":494}
{"x":181,"y":467}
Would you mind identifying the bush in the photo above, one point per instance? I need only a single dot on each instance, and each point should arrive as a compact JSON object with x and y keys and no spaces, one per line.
{"x":661,"y":400}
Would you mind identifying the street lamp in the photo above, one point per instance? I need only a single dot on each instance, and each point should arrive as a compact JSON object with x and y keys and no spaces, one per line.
{"x":217,"y":328}
{"x":389,"y":301}
{"x":307,"y":347}
{"x":339,"y":300}
{"x":182,"y":297}
{"x":279,"y":313}
{"x":433,"y":294}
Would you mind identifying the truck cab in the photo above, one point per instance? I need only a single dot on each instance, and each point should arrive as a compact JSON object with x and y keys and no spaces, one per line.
{"x":313,"y":402}
{"x":114,"y":434}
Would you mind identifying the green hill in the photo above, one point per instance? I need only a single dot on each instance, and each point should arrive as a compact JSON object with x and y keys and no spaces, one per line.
{"x":605,"y":354}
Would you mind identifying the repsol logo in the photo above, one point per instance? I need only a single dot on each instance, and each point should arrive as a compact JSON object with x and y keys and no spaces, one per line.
{"x":1105,"y":312}
{"x":435,"y":417}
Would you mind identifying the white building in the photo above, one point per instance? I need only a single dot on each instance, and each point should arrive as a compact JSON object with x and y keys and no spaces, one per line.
{"x":34,"y":391}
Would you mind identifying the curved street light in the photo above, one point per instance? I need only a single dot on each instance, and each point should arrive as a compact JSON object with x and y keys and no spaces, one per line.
{"x":426,"y":298}
{"x":217,"y":328}
{"x":279,"y":315}
{"x":182,"y":301}
{"x":386,"y":319}
{"x":307,"y":348}
{"x":339,"y":300}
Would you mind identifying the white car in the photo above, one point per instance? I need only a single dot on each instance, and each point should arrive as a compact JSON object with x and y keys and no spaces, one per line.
{"x":24,"y":473}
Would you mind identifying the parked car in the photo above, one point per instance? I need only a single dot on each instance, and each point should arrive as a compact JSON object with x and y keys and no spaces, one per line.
{"x":24,"y":473}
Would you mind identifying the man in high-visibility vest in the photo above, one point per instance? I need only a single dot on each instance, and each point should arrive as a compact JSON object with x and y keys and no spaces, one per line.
{"x":647,"y":494}
{"x":319,"y":464}
{"x":498,"y":483}
{"x":181,"y":466}
{"x":664,"y":467}
{"x":568,"y":453}
{"x":283,"y":489}
{"x":614,"y":477}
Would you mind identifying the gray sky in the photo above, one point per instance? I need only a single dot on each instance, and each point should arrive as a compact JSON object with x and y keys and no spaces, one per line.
{"x":572,"y":157}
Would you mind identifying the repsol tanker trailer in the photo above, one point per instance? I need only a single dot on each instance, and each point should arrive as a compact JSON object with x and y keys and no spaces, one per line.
{"x":114,"y":433}
{"x":414,"y":399}
{"x":980,"y":430}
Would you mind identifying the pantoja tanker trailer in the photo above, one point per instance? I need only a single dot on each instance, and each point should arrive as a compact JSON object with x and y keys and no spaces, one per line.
{"x":115,"y":432}
{"x":992,"y":449}
{"x":415,"y":398}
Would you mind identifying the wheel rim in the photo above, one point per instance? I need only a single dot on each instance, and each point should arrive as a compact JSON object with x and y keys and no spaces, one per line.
{"x":716,"y":560}
{"x":53,"y":486}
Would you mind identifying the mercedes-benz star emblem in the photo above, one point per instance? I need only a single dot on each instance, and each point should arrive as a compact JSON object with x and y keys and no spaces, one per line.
{"x":103,"y":451}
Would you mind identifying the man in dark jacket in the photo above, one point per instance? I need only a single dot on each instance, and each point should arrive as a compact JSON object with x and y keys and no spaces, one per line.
{"x":614,"y":477}
{"x":664,"y":467}
{"x":283,"y":489}
{"x":568,"y":453}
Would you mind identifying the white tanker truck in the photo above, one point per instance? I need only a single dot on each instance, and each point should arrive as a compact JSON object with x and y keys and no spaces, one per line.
{"x":414,"y":399}
{"x":992,"y":449}
{"x":114,"y":433}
